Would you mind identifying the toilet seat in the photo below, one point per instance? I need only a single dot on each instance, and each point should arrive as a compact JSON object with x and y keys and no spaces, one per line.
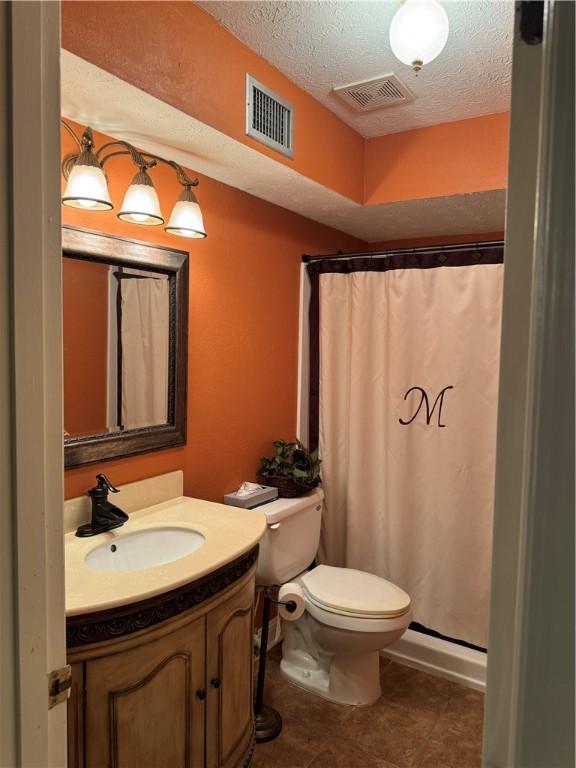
{"x":355,"y":623}
{"x":355,"y":594}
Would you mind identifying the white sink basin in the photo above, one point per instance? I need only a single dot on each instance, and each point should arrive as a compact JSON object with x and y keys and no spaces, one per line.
{"x":144,"y":549}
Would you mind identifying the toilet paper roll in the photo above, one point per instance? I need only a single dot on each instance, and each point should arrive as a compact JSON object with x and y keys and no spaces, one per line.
{"x":293,"y":593}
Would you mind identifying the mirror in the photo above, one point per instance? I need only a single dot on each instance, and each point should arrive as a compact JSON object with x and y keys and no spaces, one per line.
{"x":125,"y":318}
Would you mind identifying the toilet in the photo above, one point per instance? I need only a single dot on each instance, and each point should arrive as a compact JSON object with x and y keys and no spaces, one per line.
{"x":333,"y":649}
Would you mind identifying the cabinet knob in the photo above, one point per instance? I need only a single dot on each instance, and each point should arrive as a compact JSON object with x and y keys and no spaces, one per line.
{"x":201,"y":694}
{"x":215,"y":682}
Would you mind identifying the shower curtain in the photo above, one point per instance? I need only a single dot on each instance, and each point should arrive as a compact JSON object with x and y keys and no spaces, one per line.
{"x":145,"y":349}
{"x":404,"y":378}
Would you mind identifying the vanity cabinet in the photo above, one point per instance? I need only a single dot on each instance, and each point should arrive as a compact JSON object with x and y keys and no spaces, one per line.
{"x":177,"y":694}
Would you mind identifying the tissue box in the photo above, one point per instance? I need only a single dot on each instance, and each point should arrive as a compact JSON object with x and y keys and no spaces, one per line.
{"x":251,"y":500}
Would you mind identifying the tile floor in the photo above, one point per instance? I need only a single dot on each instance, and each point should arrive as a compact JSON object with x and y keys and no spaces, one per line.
{"x":421,"y":721}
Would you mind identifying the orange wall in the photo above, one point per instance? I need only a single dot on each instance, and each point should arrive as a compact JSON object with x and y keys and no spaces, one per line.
{"x":85,"y":321}
{"x":243,"y":331}
{"x":447,"y":159}
{"x":178,"y":53}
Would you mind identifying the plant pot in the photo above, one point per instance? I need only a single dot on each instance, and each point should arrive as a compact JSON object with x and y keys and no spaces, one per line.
{"x":288,"y":488}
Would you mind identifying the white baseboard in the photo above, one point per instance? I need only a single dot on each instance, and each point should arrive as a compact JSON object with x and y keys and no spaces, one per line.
{"x":440,"y":657}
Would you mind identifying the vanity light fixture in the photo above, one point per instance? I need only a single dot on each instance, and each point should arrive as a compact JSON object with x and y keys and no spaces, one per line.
{"x":87,"y":186}
{"x":419,"y":32}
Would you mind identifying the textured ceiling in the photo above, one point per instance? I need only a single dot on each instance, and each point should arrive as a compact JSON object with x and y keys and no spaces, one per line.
{"x":94,"y":97}
{"x":321,"y":45}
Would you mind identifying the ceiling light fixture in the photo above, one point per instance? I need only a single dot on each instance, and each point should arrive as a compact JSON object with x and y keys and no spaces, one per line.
{"x":87,"y":186}
{"x":419,"y":32}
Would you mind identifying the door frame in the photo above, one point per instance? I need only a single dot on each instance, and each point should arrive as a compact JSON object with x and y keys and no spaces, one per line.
{"x":32,"y":591}
{"x":530,"y":688}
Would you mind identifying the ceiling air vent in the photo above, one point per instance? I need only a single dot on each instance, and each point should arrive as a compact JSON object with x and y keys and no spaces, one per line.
{"x":384,"y":91}
{"x":269,"y":119}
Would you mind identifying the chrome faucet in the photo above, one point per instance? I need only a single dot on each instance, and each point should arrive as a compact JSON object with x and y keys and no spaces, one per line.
{"x":105,"y":516}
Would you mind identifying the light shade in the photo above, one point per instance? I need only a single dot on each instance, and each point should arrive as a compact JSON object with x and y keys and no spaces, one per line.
{"x":186,"y":217}
{"x":141,"y":204}
{"x":419,"y":32}
{"x":87,"y":186}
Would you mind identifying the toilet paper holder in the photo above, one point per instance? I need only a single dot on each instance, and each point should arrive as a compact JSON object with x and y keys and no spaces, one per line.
{"x":290,"y":605}
{"x":268,"y":721}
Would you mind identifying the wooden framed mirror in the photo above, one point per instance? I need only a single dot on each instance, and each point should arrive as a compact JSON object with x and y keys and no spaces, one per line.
{"x":125,"y":317}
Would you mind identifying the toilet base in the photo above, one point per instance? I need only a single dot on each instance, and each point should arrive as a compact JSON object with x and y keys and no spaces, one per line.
{"x":341,"y":664}
{"x":351,"y":679}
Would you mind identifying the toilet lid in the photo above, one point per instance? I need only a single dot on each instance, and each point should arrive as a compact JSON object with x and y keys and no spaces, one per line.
{"x":345,"y":590}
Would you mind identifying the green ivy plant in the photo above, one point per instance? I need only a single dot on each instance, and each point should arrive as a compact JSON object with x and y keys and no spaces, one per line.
{"x":293,"y":460}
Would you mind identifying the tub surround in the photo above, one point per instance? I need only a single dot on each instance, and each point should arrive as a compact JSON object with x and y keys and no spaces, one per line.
{"x":441,"y":658}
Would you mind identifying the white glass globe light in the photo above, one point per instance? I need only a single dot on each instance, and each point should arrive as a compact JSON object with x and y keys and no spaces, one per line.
{"x":141,"y":204}
{"x":87,"y":188}
{"x":186,"y":217}
{"x":419,"y":32}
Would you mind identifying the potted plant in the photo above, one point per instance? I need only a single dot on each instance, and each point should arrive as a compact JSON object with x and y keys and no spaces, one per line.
{"x":293,"y":469}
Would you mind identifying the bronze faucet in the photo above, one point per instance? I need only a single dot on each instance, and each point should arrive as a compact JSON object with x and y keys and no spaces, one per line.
{"x":105,"y":516}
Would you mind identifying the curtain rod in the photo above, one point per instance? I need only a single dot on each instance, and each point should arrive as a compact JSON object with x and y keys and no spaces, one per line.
{"x":393,"y":251}
{"x":124,"y":276}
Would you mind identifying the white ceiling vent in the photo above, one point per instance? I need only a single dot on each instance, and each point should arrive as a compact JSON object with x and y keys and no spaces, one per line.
{"x":269,"y":119}
{"x":383,"y":91}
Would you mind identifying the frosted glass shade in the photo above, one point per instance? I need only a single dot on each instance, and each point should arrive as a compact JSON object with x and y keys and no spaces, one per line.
{"x":141,"y":206}
{"x":419,"y":32}
{"x":186,"y":220}
{"x":87,"y":188}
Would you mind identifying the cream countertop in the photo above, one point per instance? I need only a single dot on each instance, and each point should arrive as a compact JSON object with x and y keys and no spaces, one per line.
{"x":228,"y":531}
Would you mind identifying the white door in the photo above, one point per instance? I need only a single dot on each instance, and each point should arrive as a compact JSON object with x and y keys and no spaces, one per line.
{"x":32,"y":611}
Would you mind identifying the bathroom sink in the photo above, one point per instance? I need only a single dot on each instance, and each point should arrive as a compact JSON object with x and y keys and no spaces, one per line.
{"x":162,"y":547}
{"x":144,"y":549}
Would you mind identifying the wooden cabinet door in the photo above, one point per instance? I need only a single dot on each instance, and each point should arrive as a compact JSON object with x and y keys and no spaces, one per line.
{"x":145,"y":706}
{"x":230,"y":720}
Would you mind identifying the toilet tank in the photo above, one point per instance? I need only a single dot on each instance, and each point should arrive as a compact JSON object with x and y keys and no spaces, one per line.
{"x":291,"y":539}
